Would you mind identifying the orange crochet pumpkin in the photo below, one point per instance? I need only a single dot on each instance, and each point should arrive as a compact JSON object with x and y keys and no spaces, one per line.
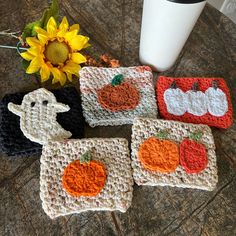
{"x":159,"y":154}
{"x":118,"y":95}
{"x":84,"y":177}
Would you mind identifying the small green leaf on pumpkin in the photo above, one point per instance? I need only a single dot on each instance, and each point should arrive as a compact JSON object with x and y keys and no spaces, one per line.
{"x":86,"y":157}
{"x":117,"y":80}
{"x":163,"y":134}
{"x":196,"y":136}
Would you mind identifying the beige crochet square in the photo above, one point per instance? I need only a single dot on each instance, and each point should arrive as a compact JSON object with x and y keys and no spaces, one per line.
{"x":117,"y":191}
{"x":92,"y":79}
{"x":145,"y":128}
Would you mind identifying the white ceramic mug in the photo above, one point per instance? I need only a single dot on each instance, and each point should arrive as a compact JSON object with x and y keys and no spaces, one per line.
{"x":166,"y":26}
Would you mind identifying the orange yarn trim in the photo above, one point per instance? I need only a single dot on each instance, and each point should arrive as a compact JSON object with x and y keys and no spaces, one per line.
{"x":85,"y":179}
{"x":120,"y":97}
{"x":142,"y":69}
{"x":159,"y":155}
{"x":164,"y":83}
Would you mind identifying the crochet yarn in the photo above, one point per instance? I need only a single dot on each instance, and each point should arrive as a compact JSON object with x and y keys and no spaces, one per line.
{"x":86,"y":179}
{"x":119,"y":98}
{"x":37,"y":114}
{"x":145,"y":128}
{"x":159,"y":155}
{"x":193,"y":156}
{"x":12,"y":140}
{"x":210,"y":104}
{"x":116,"y":194}
{"x":104,"y":104}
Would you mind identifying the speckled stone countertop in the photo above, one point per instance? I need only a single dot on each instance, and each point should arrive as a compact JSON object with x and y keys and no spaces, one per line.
{"x":114,"y":27}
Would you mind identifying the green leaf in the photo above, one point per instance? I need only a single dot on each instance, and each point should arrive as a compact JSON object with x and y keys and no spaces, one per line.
{"x":117,"y":80}
{"x":196,"y":136}
{"x":29,"y":30}
{"x":163,"y":134}
{"x":86,"y":157}
{"x":53,"y":10}
{"x":25,"y":64}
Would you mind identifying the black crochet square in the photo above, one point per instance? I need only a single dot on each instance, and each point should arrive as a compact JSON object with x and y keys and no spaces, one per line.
{"x":12,"y":140}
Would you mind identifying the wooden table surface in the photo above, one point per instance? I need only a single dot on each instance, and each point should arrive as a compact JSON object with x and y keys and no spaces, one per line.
{"x":114,"y":27}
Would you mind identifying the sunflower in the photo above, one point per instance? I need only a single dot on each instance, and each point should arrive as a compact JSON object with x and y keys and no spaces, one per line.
{"x":56,"y":51}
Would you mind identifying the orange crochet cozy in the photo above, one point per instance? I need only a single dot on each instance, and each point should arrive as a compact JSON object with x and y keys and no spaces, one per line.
{"x":195,"y":100}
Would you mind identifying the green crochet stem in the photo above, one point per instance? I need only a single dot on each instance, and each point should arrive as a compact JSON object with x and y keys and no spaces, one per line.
{"x":196,"y":136}
{"x":117,"y":80}
{"x":86,"y":157}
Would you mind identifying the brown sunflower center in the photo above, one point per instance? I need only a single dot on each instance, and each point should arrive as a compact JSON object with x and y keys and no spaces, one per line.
{"x":56,"y":52}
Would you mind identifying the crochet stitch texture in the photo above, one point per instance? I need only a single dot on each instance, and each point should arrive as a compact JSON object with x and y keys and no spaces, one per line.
{"x":206,"y":106}
{"x":117,"y":191}
{"x":38,"y":112}
{"x":145,"y":128}
{"x":93,"y":79}
{"x":12,"y":140}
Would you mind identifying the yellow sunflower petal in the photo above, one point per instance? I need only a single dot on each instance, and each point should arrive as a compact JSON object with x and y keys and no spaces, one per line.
{"x":78,"y":42}
{"x":58,"y":75}
{"x":52,"y":26}
{"x":64,"y":24}
{"x":44,"y":72}
{"x":54,"y":81}
{"x":39,"y":30}
{"x":75,"y":27}
{"x":43,"y":38}
{"x":78,"y":58}
{"x":27,"y":56}
{"x":34,"y":65}
{"x":70,"y":35}
{"x":35,"y":51}
{"x":72,"y":68}
{"x":32,"y":41}
{"x":87,"y":45}
{"x":69,"y":76}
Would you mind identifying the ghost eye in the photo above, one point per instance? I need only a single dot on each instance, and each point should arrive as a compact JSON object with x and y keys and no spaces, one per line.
{"x":45,"y":103}
{"x":32,"y":104}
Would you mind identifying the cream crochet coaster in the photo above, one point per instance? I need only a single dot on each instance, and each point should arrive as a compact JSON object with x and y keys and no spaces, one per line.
{"x":116,"y":194}
{"x":177,"y":132}
{"x":93,"y":81}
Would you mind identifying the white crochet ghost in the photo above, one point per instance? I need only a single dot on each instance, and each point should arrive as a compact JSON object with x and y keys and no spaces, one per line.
{"x":38,"y":113}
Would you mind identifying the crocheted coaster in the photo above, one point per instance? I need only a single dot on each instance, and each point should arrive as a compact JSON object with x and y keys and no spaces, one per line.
{"x":115,"y":96}
{"x":86,"y":174}
{"x":170,"y":153}
{"x":195,"y":100}
{"x":12,"y":140}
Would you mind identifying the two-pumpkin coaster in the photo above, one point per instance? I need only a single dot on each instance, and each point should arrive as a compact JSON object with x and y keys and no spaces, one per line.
{"x":195,"y":100}
{"x":86,"y":174}
{"x":170,"y":153}
{"x":115,"y":96}
{"x":15,"y":135}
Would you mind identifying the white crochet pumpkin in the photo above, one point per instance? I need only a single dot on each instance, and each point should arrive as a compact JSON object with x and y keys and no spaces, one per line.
{"x":217,"y":100}
{"x":175,"y":100}
{"x":197,"y":101}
